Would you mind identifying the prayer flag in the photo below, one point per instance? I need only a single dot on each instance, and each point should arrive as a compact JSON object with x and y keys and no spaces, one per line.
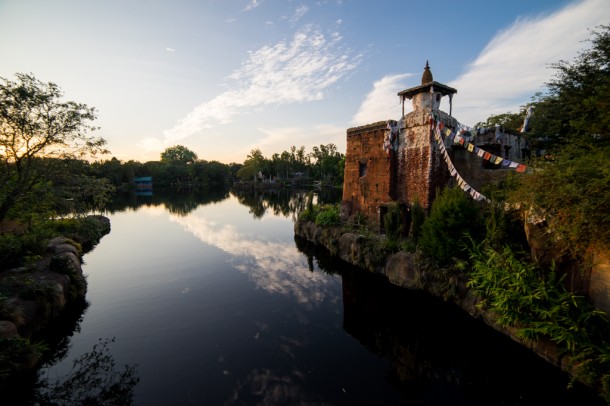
{"x":486,"y":156}
{"x":513,"y":165}
{"x":520,"y":168}
{"x":481,"y":152}
{"x":470,"y":147}
{"x":498,"y":160}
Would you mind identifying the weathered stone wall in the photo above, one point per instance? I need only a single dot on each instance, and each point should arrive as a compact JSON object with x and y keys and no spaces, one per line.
{"x":421,"y":167}
{"x":470,"y":167}
{"x":366,"y":182}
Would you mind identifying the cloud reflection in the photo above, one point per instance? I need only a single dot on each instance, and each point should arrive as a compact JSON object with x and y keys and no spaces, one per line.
{"x":274,"y":266}
{"x":266,"y":387}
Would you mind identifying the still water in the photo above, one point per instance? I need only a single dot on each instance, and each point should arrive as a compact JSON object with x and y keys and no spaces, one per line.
{"x":209,"y":300}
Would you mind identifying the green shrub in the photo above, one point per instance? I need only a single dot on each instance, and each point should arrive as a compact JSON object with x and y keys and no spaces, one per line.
{"x":328,"y":215}
{"x":418,"y":216}
{"x":453,"y":217}
{"x":537,"y":303}
{"x":17,"y":354}
{"x":392,"y":222}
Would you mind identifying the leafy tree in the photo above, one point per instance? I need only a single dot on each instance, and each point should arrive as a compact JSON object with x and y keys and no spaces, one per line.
{"x":507,"y":120}
{"x":572,"y":191}
{"x":327,"y":160}
{"x":252,"y":165}
{"x":36,"y":129}
{"x":178,"y":153}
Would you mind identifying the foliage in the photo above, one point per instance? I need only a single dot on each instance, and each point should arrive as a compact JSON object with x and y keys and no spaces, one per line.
{"x":579,"y":95}
{"x":93,"y":380}
{"x":16,"y":249}
{"x":328,"y":215}
{"x":37,"y":129}
{"x":327,"y":161}
{"x":392,"y":222}
{"x":453,"y":217}
{"x":418,"y":216}
{"x":252,"y":165}
{"x":15,"y":353}
{"x":573,"y":195}
{"x":507,"y":120}
{"x":178,"y":153}
{"x":538,"y":305}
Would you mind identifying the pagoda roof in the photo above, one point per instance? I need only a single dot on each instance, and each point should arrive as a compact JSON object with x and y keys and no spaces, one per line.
{"x":438,"y":87}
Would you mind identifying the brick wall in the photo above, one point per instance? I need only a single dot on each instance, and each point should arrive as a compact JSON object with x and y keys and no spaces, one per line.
{"x":368,"y":170}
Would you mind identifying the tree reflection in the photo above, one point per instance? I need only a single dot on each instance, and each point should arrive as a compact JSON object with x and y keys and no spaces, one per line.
{"x":283,"y":202}
{"x":93,"y":380}
{"x":177,"y":202}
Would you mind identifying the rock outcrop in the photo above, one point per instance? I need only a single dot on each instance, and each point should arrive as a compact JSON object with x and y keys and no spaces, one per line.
{"x":32,"y":297}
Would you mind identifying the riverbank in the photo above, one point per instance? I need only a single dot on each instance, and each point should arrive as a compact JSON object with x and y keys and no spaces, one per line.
{"x":33,"y":296}
{"x":405,"y":269}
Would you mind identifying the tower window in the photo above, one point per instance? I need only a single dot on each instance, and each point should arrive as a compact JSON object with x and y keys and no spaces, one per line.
{"x":362,"y":169}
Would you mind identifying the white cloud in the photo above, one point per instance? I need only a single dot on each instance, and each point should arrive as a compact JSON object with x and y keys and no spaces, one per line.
{"x":230,"y":20}
{"x":382,"y":103}
{"x":299,"y":13}
{"x":288,"y":72}
{"x":170,"y":49}
{"x":252,"y":5}
{"x":516,"y":62}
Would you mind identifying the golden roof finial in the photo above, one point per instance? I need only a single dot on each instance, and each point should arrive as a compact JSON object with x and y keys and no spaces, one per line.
{"x":427,"y":76}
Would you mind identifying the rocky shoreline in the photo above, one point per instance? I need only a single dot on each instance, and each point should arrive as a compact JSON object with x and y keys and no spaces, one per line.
{"x":402,"y":269}
{"x":34,"y":296}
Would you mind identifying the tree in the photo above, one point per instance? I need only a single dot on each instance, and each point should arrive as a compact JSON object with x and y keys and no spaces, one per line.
{"x":252,"y":165}
{"x":575,"y":107}
{"x":327,"y":161}
{"x":38,"y":129}
{"x":178,"y":153}
{"x":573,"y":190}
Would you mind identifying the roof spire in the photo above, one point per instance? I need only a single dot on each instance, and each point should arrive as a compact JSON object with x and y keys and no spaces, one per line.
{"x":427,"y":76}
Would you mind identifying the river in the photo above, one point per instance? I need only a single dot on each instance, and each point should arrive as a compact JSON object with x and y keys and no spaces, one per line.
{"x":208,"y":300}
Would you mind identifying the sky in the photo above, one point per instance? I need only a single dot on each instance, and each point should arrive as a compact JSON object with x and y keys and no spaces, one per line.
{"x":223,"y":77}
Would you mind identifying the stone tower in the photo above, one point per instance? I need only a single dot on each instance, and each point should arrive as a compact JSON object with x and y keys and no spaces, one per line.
{"x":397,"y":160}
{"x":421,"y":168}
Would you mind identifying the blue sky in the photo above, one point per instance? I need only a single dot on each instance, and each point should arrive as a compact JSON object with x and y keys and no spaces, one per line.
{"x":222,"y":77}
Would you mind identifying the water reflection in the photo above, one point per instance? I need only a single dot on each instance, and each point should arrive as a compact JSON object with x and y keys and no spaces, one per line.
{"x":93,"y":380}
{"x":439,"y":355}
{"x":270,"y":319}
{"x":274,"y":265}
{"x":180,"y":203}
{"x":283,"y":202}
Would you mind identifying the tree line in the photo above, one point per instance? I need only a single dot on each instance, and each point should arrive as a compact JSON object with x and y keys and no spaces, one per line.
{"x":322,"y":163}
{"x":49,"y":165}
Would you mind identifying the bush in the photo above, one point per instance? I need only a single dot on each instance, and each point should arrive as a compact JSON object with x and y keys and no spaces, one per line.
{"x":328,"y":215}
{"x":392,"y":222}
{"x":537,"y":303}
{"x":417,"y":220}
{"x":453,"y":217}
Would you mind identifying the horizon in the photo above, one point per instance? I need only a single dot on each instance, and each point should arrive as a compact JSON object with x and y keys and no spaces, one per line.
{"x":297,"y":74}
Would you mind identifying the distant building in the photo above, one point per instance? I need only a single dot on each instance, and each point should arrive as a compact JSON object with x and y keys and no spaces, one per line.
{"x":144,"y":185}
